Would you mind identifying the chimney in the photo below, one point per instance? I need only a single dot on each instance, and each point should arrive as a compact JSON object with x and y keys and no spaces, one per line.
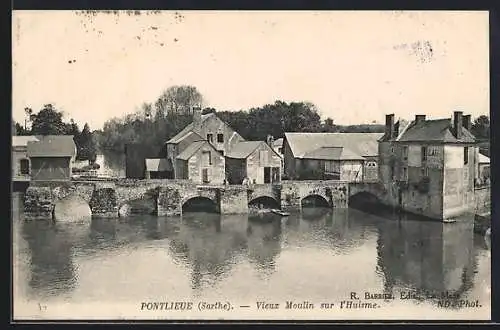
{"x":457,"y":124}
{"x":197,"y":119}
{"x":389,"y":126}
{"x":466,"y":122}
{"x":419,"y":118}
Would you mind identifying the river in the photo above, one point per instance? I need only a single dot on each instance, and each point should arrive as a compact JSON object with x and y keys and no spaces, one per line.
{"x":105,"y":268}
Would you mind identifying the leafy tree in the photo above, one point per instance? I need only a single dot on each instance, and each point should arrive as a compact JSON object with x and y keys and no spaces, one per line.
{"x":481,"y":128}
{"x":48,"y":122}
{"x":179,"y":100}
{"x":87,"y":144}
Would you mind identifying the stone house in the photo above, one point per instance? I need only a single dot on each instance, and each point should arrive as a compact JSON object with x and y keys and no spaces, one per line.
{"x":51,"y":157}
{"x":428,"y":166}
{"x":337,"y":156}
{"x":21,"y":166}
{"x":201,"y":163}
{"x":255,"y":160}
{"x":206,"y":127}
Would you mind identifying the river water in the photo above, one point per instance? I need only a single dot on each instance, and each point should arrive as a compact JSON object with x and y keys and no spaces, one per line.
{"x":106,"y":268}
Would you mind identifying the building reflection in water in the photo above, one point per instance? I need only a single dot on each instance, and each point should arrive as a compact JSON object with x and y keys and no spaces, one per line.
{"x":51,"y":266}
{"x":264,"y":243}
{"x":210,"y":244}
{"x":426,"y":256}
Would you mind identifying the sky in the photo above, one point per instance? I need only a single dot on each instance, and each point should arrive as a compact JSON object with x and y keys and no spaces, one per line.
{"x":354,"y":66}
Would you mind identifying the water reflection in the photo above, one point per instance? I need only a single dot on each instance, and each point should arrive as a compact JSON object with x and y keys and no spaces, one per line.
{"x":409,"y":254}
{"x":51,"y":266}
{"x":429,"y":257}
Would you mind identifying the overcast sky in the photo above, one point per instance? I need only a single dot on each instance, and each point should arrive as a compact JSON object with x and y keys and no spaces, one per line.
{"x":355,"y":66}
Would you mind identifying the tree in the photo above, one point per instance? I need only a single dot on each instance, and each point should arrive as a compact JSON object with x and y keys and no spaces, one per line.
{"x":179,"y":100}
{"x":87,"y":144}
{"x":481,"y":128}
{"x":29,"y":113}
{"x":48,"y":122}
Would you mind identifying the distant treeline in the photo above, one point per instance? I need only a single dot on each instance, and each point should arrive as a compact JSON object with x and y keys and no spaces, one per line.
{"x":153,"y":125}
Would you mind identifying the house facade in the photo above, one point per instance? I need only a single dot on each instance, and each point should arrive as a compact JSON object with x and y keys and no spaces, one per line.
{"x":208,"y":128}
{"x":21,"y":166}
{"x":201,"y":163}
{"x":428,"y":166}
{"x":254,"y":160}
{"x":51,"y":157}
{"x":337,"y":156}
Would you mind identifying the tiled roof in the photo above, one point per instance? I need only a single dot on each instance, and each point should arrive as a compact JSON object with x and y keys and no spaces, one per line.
{"x":362,"y":144}
{"x":189,"y":128}
{"x":243,"y":149}
{"x":158,"y":165}
{"x":191,"y":149}
{"x":52,"y":146}
{"x":22,"y":141}
{"x":332,"y":153}
{"x":438,"y":130}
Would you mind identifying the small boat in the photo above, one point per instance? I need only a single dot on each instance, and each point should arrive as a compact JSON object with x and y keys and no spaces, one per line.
{"x":280,"y":212}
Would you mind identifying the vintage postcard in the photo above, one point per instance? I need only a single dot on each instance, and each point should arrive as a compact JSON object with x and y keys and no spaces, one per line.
{"x":233,"y":165}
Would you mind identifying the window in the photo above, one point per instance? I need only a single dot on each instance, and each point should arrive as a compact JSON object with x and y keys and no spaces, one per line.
{"x":204,"y":174}
{"x":425,"y":171}
{"x":393,"y":172}
{"x":206,"y":158}
{"x":405,"y":152}
{"x":405,"y":174}
{"x":466,"y":155}
{"x":371,"y":164}
{"x":210,"y":138}
{"x":392,"y":149}
{"x":24,"y":165}
{"x":221,"y":152}
{"x":220,"y":138}
{"x":280,"y":150}
{"x":424,"y":153}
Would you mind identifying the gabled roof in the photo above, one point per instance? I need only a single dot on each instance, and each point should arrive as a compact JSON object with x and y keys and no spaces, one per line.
{"x":332,"y":153}
{"x":362,"y":144}
{"x":52,"y":146}
{"x":188,"y":134}
{"x":193,"y":148}
{"x":22,"y":140}
{"x":244,"y":149}
{"x":438,"y":130}
{"x":158,"y":165}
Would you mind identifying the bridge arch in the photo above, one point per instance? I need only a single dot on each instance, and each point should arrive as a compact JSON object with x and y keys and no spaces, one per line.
{"x":265,"y":201}
{"x":199,"y":204}
{"x":72,"y":208}
{"x":363,"y":199}
{"x":142,"y":202}
{"x":314,"y":200}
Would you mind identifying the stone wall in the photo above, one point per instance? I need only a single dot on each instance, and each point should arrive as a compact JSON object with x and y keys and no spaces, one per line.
{"x":233,"y":200}
{"x":482,"y":199}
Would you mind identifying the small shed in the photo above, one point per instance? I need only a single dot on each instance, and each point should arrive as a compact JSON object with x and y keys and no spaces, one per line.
{"x":51,"y":157}
{"x":158,"y":168}
{"x":255,"y":160}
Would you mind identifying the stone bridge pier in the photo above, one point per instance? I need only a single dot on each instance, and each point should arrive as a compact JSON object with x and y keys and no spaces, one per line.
{"x":334,"y":193}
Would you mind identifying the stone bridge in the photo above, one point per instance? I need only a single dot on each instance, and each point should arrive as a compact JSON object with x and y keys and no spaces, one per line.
{"x":105,"y":198}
